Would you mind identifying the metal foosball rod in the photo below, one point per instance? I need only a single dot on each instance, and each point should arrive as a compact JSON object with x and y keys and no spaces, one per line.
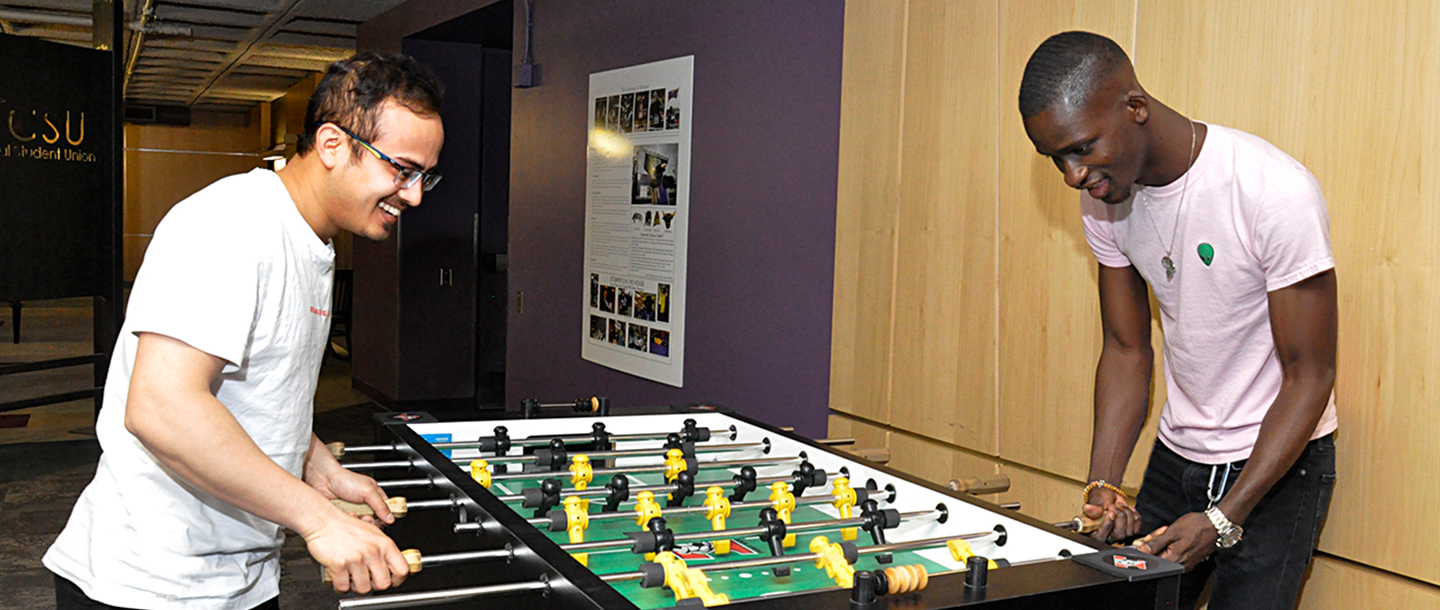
{"x":400,"y":506}
{"x":411,"y":600}
{"x":680,"y":485}
{"x":419,"y":561}
{"x":786,"y":494}
{"x":762,"y":562}
{"x":597,"y":405}
{"x":470,"y":528}
{"x":692,"y":466}
{"x":685,"y":510}
{"x":500,"y":443}
{"x":1080,"y":525}
{"x":740,"y":533}
{"x":552,"y":459}
{"x":427,"y":481}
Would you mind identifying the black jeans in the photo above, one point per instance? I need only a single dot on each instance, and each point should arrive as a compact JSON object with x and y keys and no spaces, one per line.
{"x":1263,"y":571}
{"x":68,"y":596}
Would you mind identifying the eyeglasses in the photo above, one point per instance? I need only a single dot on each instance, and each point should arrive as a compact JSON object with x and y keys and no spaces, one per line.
{"x":405,"y":177}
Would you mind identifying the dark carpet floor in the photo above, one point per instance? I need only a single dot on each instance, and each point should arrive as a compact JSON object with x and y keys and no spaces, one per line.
{"x":39,"y":483}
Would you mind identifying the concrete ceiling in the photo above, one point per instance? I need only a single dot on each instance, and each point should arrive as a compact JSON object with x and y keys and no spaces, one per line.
{"x":222,"y":55}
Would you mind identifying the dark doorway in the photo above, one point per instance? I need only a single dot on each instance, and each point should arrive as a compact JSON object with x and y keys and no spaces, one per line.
{"x":435,"y":294}
{"x":472,"y":54}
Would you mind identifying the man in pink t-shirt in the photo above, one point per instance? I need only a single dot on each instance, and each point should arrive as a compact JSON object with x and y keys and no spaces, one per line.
{"x":1232,"y":237}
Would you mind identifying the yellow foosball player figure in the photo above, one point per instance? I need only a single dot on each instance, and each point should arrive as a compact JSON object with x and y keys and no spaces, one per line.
{"x":646,"y":508}
{"x":833,"y":558}
{"x":784,"y":503}
{"x":685,"y":582}
{"x":717,"y":509}
{"x":577,"y":515}
{"x":845,"y":503}
{"x":480,"y":471}
{"x":580,"y":472}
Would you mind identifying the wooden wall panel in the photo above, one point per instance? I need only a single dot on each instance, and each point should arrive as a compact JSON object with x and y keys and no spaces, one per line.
{"x":1347,"y":88}
{"x":1049,"y":315}
{"x":935,"y":462}
{"x":866,"y":435}
{"x":1350,"y":90}
{"x":1045,"y":497}
{"x":870,"y":107}
{"x":156,"y":181}
{"x":943,"y":379}
{"x":1340,"y":585}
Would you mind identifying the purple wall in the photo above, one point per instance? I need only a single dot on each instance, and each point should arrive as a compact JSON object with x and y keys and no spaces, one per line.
{"x":764,"y":159}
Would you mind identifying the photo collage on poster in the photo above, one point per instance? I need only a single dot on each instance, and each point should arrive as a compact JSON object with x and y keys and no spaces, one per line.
{"x":639,"y":112}
{"x":635,"y":312}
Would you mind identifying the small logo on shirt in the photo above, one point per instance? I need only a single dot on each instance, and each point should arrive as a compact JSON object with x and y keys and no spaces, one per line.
{"x":320,"y":312}
{"x":1207,"y":253}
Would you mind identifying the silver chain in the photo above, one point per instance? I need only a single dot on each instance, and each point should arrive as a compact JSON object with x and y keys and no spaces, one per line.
{"x":1179,"y":209}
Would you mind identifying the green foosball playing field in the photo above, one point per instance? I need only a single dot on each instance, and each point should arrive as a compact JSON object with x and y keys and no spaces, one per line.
{"x":740,"y":583}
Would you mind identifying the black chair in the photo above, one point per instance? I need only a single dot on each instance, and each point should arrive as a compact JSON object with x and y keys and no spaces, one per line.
{"x":340,"y":299}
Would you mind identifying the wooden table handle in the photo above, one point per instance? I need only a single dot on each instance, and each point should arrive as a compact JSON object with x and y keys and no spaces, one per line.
{"x":412,"y":557}
{"x":397,"y":504}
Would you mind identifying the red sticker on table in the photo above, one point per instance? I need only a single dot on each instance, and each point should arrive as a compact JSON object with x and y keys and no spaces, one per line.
{"x":1126,"y":563}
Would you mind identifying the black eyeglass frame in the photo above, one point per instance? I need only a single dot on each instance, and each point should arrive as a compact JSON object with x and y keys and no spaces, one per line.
{"x":406,"y":177}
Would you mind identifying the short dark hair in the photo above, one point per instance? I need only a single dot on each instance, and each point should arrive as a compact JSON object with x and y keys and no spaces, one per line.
{"x":353,"y":91}
{"x":1067,"y":67}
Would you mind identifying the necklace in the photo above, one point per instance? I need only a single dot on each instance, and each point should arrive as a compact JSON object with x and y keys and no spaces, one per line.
{"x":1165,"y":261}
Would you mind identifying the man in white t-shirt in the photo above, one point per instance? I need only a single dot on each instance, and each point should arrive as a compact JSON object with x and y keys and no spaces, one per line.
{"x":206,"y":434}
{"x":1232,"y":237}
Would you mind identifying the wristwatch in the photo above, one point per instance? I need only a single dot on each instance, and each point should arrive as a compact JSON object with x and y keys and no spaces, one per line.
{"x":1229,"y":533}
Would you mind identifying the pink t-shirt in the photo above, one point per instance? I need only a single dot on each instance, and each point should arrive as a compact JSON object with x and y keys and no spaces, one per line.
{"x":1253,"y":221}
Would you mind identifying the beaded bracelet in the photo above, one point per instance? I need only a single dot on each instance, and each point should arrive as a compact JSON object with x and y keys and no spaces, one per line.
{"x":1101,"y":483}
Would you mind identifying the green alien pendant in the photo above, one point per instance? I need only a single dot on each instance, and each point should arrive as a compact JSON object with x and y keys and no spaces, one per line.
{"x":1207,"y":254}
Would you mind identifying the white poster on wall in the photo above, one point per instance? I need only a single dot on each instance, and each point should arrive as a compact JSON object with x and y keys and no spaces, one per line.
{"x":637,"y":215}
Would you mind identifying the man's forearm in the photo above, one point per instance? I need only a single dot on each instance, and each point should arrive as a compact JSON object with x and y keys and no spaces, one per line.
{"x":319,"y":463}
{"x":1122,"y":398}
{"x":208,"y":450}
{"x":1284,"y":432}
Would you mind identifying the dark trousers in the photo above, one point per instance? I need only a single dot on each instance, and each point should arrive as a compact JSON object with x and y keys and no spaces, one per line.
{"x":68,"y":596}
{"x":1263,"y":571}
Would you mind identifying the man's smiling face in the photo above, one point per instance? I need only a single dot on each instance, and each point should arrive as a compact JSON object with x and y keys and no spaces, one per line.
{"x":1099,"y":147}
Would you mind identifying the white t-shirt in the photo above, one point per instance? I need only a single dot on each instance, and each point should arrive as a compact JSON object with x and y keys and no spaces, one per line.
{"x":235,"y":272}
{"x":1253,"y":221}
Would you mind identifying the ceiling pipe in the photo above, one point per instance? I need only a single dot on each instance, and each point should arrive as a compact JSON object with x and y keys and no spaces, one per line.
{"x":47,"y":18}
{"x":147,"y":16}
{"x":139,"y":25}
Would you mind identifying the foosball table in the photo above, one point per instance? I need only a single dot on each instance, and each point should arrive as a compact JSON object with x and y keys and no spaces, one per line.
{"x":697,"y":507}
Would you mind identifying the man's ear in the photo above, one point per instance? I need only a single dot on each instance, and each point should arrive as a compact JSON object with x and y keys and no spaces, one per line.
{"x":1138,"y":103}
{"x":332,"y":146}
